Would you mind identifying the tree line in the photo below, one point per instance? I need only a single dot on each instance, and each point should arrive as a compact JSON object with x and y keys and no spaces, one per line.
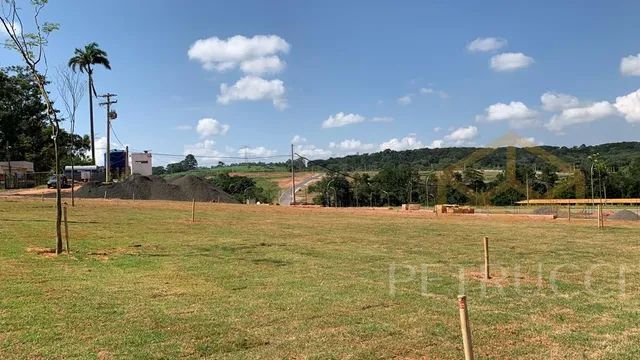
{"x":405,"y":183}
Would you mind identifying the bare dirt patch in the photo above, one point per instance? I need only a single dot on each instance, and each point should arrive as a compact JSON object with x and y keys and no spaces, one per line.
{"x":45,"y":252}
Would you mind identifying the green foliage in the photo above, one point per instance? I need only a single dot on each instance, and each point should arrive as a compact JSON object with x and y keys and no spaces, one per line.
{"x":158,"y":170}
{"x":507,"y":196}
{"x":25,"y":131}
{"x":189,"y":163}
{"x":242,"y":188}
{"x":85,"y":58}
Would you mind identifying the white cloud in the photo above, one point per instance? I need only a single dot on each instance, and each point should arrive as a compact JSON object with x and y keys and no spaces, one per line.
{"x":312,"y":152}
{"x":101,"y":149}
{"x":629,"y":106}
{"x":630,"y":65}
{"x":204,"y":152}
{"x":462,"y":135}
{"x":208,"y":127}
{"x":581,"y":115}
{"x":431,"y":91}
{"x":437,"y":129}
{"x":405,"y":100}
{"x":297,"y":139}
{"x":264,"y":65}
{"x":253,"y":88}
{"x":341,"y":119}
{"x":382,"y":119}
{"x":486,"y":44}
{"x":553,"y":101}
{"x":516,"y":113}
{"x":457,"y":137}
{"x":436,"y":144}
{"x":184,"y":127}
{"x":256,"y":152}
{"x":408,"y":142}
{"x":250,"y":53}
{"x":351,"y":145}
{"x":16,"y":27}
{"x":510,"y":61}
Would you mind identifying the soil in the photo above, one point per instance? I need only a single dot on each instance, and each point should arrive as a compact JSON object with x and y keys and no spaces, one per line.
{"x":140,"y":187}
{"x":624,"y":215}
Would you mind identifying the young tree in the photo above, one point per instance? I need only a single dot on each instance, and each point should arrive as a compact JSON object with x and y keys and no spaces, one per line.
{"x":31,"y":47}
{"x":83,"y":60}
{"x":71,"y":91}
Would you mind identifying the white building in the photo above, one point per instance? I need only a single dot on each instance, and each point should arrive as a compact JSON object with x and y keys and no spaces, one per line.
{"x":141,"y":163}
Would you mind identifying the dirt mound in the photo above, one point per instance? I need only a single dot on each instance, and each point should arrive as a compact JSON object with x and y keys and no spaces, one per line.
{"x":624,"y":215}
{"x":195,"y":187}
{"x":547,"y":210}
{"x":156,"y":188}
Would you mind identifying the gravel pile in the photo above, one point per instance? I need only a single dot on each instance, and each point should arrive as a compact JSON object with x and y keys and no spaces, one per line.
{"x":194,"y":187}
{"x":184,"y":188}
{"x":624,"y":215}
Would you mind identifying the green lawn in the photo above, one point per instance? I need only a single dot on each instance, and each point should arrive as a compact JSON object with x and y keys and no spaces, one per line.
{"x":248,"y":282}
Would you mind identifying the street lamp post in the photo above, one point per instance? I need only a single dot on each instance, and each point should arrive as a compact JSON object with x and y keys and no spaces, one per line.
{"x":388,"y":200}
{"x":326,"y":190}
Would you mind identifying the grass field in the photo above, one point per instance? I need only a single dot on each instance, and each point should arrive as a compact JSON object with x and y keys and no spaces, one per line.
{"x":250,"y":282}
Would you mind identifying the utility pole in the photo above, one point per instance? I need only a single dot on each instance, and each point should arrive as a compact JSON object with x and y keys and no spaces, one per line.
{"x":8,"y":185}
{"x":527,"y":184}
{"x":293,"y":178}
{"x":110,"y":116}
{"x":126,"y":162}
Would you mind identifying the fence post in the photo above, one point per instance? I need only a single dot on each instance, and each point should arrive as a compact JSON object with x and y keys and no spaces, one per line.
{"x":66,"y":226}
{"x":600,"y":222}
{"x":486,"y":258}
{"x":465,"y":327}
{"x":193,"y":210}
{"x":569,"y":212}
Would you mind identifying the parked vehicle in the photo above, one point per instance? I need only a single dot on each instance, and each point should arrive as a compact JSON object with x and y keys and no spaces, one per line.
{"x":52,"y":182}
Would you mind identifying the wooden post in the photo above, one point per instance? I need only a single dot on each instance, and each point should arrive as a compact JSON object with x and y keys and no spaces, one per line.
{"x":193,"y":210}
{"x":569,"y":212}
{"x":486,"y":258}
{"x":66,"y":226}
{"x":599,"y":209}
{"x":42,"y":196}
{"x":134,"y":196}
{"x":465,"y":327}
{"x":105,"y":194}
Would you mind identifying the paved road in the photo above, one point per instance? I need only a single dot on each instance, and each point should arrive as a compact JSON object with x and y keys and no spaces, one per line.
{"x":286,"y":198}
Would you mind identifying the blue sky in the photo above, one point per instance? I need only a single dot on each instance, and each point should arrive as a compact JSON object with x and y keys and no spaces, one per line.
{"x":376,"y":74}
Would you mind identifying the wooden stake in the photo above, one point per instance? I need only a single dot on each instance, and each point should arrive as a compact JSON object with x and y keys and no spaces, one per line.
{"x":465,"y":327}
{"x":486,"y":258}
{"x":105,"y":194}
{"x":569,"y":212}
{"x":600,"y":217}
{"x":193,"y":211}
{"x":66,"y":227}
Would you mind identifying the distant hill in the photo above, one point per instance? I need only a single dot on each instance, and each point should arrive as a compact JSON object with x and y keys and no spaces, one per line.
{"x":614,"y":154}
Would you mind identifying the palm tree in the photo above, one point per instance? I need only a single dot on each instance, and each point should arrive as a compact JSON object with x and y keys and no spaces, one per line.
{"x":83,"y":60}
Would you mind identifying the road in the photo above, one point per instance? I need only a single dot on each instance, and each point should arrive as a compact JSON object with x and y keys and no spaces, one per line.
{"x":286,"y":198}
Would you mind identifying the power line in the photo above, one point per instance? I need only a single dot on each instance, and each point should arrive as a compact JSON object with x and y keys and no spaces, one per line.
{"x":223,"y":157}
{"x":113,"y":131}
